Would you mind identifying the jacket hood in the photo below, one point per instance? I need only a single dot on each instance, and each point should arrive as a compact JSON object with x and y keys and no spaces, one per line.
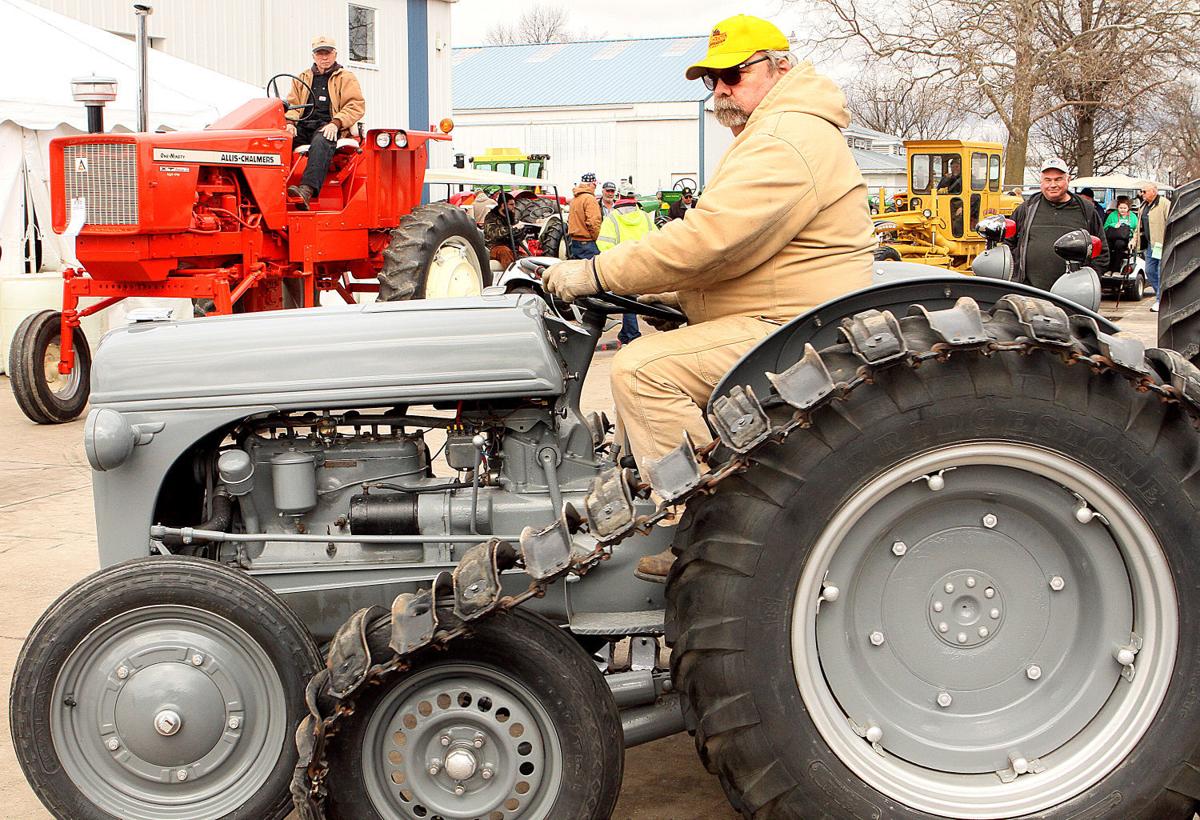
{"x":582,"y":188}
{"x":805,"y":91}
{"x":631,"y":216}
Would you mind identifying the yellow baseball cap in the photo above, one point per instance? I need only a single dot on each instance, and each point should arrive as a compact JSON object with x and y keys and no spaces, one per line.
{"x":735,"y":40}
{"x":323,"y":42}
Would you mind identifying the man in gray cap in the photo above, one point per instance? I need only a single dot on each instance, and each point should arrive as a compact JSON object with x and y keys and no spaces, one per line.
{"x":336,"y":105}
{"x":1045,"y":217}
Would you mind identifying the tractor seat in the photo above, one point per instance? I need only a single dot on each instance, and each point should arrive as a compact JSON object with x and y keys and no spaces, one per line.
{"x":344,"y":144}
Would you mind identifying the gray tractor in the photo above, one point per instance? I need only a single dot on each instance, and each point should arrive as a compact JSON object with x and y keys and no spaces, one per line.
{"x":375,"y":562}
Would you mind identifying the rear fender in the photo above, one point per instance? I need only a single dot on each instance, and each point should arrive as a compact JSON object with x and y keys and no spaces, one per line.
{"x":821,"y":325}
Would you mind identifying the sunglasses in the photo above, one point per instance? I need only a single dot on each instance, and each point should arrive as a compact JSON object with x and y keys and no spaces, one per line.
{"x":729,"y":76}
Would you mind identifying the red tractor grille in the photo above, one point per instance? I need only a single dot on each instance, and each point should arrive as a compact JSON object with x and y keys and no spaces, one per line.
{"x":104,"y":175}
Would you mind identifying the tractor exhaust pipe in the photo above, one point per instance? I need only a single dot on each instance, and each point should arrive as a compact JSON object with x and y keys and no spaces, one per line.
{"x":142,"y":10}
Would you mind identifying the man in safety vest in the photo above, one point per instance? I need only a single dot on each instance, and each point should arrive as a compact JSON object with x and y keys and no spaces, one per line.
{"x":782,"y":227}
{"x":625,"y":222}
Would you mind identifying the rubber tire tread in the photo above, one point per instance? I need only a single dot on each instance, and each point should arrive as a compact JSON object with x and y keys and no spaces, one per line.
{"x":551,"y":237}
{"x":25,"y":368}
{"x":144,"y":582}
{"x":742,"y":550}
{"x":1179,"y":276}
{"x":549,"y":662}
{"x":406,"y":259}
{"x":534,"y":209}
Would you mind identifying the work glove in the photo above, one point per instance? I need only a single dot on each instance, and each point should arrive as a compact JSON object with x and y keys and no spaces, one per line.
{"x":1156,"y":251}
{"x":670,"y":299}
{"x":571,"y":279}
{"x":330,"y":131}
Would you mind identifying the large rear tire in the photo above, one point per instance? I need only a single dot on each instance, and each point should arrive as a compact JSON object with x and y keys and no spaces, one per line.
{"x":1179,"y":276}
{"x":162,"y":689}
{"x":548,"y":730}
{"x":44,"y":395}
{"x":437,"y":252}
{"x":996,"y":526}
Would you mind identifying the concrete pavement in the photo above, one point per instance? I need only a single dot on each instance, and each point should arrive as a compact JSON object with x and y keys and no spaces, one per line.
{"x":47,"y":542}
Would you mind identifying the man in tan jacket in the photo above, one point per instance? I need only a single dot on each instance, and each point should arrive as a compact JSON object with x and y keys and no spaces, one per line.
{"x":782,"y":227}
{"x":336,"y":105}
{"x":583,"y":220}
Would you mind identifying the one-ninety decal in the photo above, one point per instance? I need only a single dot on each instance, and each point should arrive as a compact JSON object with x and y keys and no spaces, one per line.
{"x":215,"y":157}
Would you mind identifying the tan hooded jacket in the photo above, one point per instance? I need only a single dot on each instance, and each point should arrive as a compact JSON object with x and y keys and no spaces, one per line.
{"x":782,"y":225}
{"x":584,"y":218}
{"x":346,"y":103}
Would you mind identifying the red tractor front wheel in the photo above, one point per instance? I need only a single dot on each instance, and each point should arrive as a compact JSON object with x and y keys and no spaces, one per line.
{"x":44,"y":394}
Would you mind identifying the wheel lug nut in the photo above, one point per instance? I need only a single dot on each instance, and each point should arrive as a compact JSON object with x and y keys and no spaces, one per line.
{"x":936,"y":482}
{"x":989,"y":521}
{"x":971,"y":582}
{"x":989,"y":593}
{"x":1125,"y":656}
{"x":1057,"y":583}
{"x":181,"y":775}
{"x":1034,"y":672}
{"x":830,"y":593}
{"x":899,"y":548}
{"x":874,"y":734}
{"x":235,"y":722}
{"x":962,"y":637}
{"x":486,"y":774}
{"x":113,"y":744}
{"x":122,"y":672}
{"x":445,"y":740}
{"x":983,"y":632}
{"x":994,"y":614}
{"x":949,"y":587}
{"x":434,"y":768}
{"x":197,"y":660}
{"x":938,"y":606}
{"x":943,"y":627}
{"x":480,"y":739}
{"x":876,"y":638}
{"x":460,"y":790}
{"x":944,"y":700}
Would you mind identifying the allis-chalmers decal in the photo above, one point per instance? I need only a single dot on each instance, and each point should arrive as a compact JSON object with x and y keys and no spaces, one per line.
{"x":215,"y":157}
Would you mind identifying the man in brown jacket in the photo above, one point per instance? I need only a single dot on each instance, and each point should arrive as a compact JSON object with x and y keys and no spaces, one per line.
{"x":782,"y":227}
{"x":336,"y":105}
{"x":583,"y":220}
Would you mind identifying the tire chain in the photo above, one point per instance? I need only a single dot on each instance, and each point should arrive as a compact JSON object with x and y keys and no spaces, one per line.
{"x":574,"y":544}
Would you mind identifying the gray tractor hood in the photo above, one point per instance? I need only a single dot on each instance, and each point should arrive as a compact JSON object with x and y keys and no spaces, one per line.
{"x":400,"y":352}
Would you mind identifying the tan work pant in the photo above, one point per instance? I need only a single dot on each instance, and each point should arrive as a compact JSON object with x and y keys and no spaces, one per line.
{"x":662,"y":381}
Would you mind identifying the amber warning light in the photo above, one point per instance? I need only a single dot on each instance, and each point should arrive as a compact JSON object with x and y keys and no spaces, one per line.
{"x":446,"y":125}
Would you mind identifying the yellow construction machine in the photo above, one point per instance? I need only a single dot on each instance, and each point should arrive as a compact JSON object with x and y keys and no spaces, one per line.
{"x":952,"y":184}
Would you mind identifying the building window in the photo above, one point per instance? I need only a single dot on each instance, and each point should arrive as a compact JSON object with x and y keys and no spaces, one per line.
{"x":361,"y":34}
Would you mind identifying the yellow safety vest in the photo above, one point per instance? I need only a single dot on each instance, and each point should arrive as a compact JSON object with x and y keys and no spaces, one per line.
{"x":620,"y":227}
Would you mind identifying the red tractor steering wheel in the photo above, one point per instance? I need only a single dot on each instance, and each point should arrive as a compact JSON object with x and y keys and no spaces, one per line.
{"x":273,"y":91}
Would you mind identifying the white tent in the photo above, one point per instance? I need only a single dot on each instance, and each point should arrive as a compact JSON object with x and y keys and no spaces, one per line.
{"x":45,"y":51}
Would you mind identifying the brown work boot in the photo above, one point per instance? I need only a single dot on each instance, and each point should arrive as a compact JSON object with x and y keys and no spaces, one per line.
{"x":303,"y":193}
{"x":654,"y":568}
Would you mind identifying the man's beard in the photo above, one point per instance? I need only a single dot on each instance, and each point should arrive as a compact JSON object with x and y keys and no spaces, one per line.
{"x":729,"y":113}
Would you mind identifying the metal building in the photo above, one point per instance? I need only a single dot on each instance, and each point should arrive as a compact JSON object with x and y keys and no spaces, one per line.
{"x":400,"y":49}
{"x":620,"y":108}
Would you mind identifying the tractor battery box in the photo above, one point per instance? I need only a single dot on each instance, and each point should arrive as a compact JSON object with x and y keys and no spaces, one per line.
{"x":461,"y":452}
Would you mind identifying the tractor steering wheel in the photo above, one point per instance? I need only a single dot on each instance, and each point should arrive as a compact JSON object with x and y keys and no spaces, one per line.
{"x":273,"y":91}
{"x":604,"y":302}
{"x":686,"y":182}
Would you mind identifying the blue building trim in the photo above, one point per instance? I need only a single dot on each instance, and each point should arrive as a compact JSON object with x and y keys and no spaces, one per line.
{"x":418,"y":71}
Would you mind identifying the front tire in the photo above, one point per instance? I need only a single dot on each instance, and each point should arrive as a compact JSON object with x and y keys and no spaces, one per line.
{"x":437,"y":252}
{"x":549,"y":732}
{"x":162,"y":689}
{"x":44,"y":395}
{"x":906,"y":692}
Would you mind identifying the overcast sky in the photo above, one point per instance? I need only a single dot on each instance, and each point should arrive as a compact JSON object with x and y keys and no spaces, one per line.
{"x":620,"y":19}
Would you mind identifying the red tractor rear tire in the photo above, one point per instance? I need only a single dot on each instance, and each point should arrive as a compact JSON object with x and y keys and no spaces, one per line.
{"x":436,"y":252}
{"x":32,"y":367}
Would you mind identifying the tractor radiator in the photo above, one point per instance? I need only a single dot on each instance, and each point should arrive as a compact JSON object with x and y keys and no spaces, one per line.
{"x":104,"y":174}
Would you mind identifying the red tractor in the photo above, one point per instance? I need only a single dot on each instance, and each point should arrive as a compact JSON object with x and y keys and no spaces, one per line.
{"x":204,"y":215}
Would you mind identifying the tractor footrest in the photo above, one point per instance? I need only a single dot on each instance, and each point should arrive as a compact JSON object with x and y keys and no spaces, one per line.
{"x":645,"y":622}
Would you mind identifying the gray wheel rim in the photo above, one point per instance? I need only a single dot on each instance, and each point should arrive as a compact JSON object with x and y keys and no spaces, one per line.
{"x":945,"y":720}
{"x":454,"y":270}
{"x":168,"y":713}
{"x":63,"y":387}
{"x":434,"y":719}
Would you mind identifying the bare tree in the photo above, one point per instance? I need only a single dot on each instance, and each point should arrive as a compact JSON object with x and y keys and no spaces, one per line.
{"x":1177,"y":144}
{"x":1024,"y":60}
{"x":911,"y":110}
{"x":540,"y":24}
{"x":1118,"y":136}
